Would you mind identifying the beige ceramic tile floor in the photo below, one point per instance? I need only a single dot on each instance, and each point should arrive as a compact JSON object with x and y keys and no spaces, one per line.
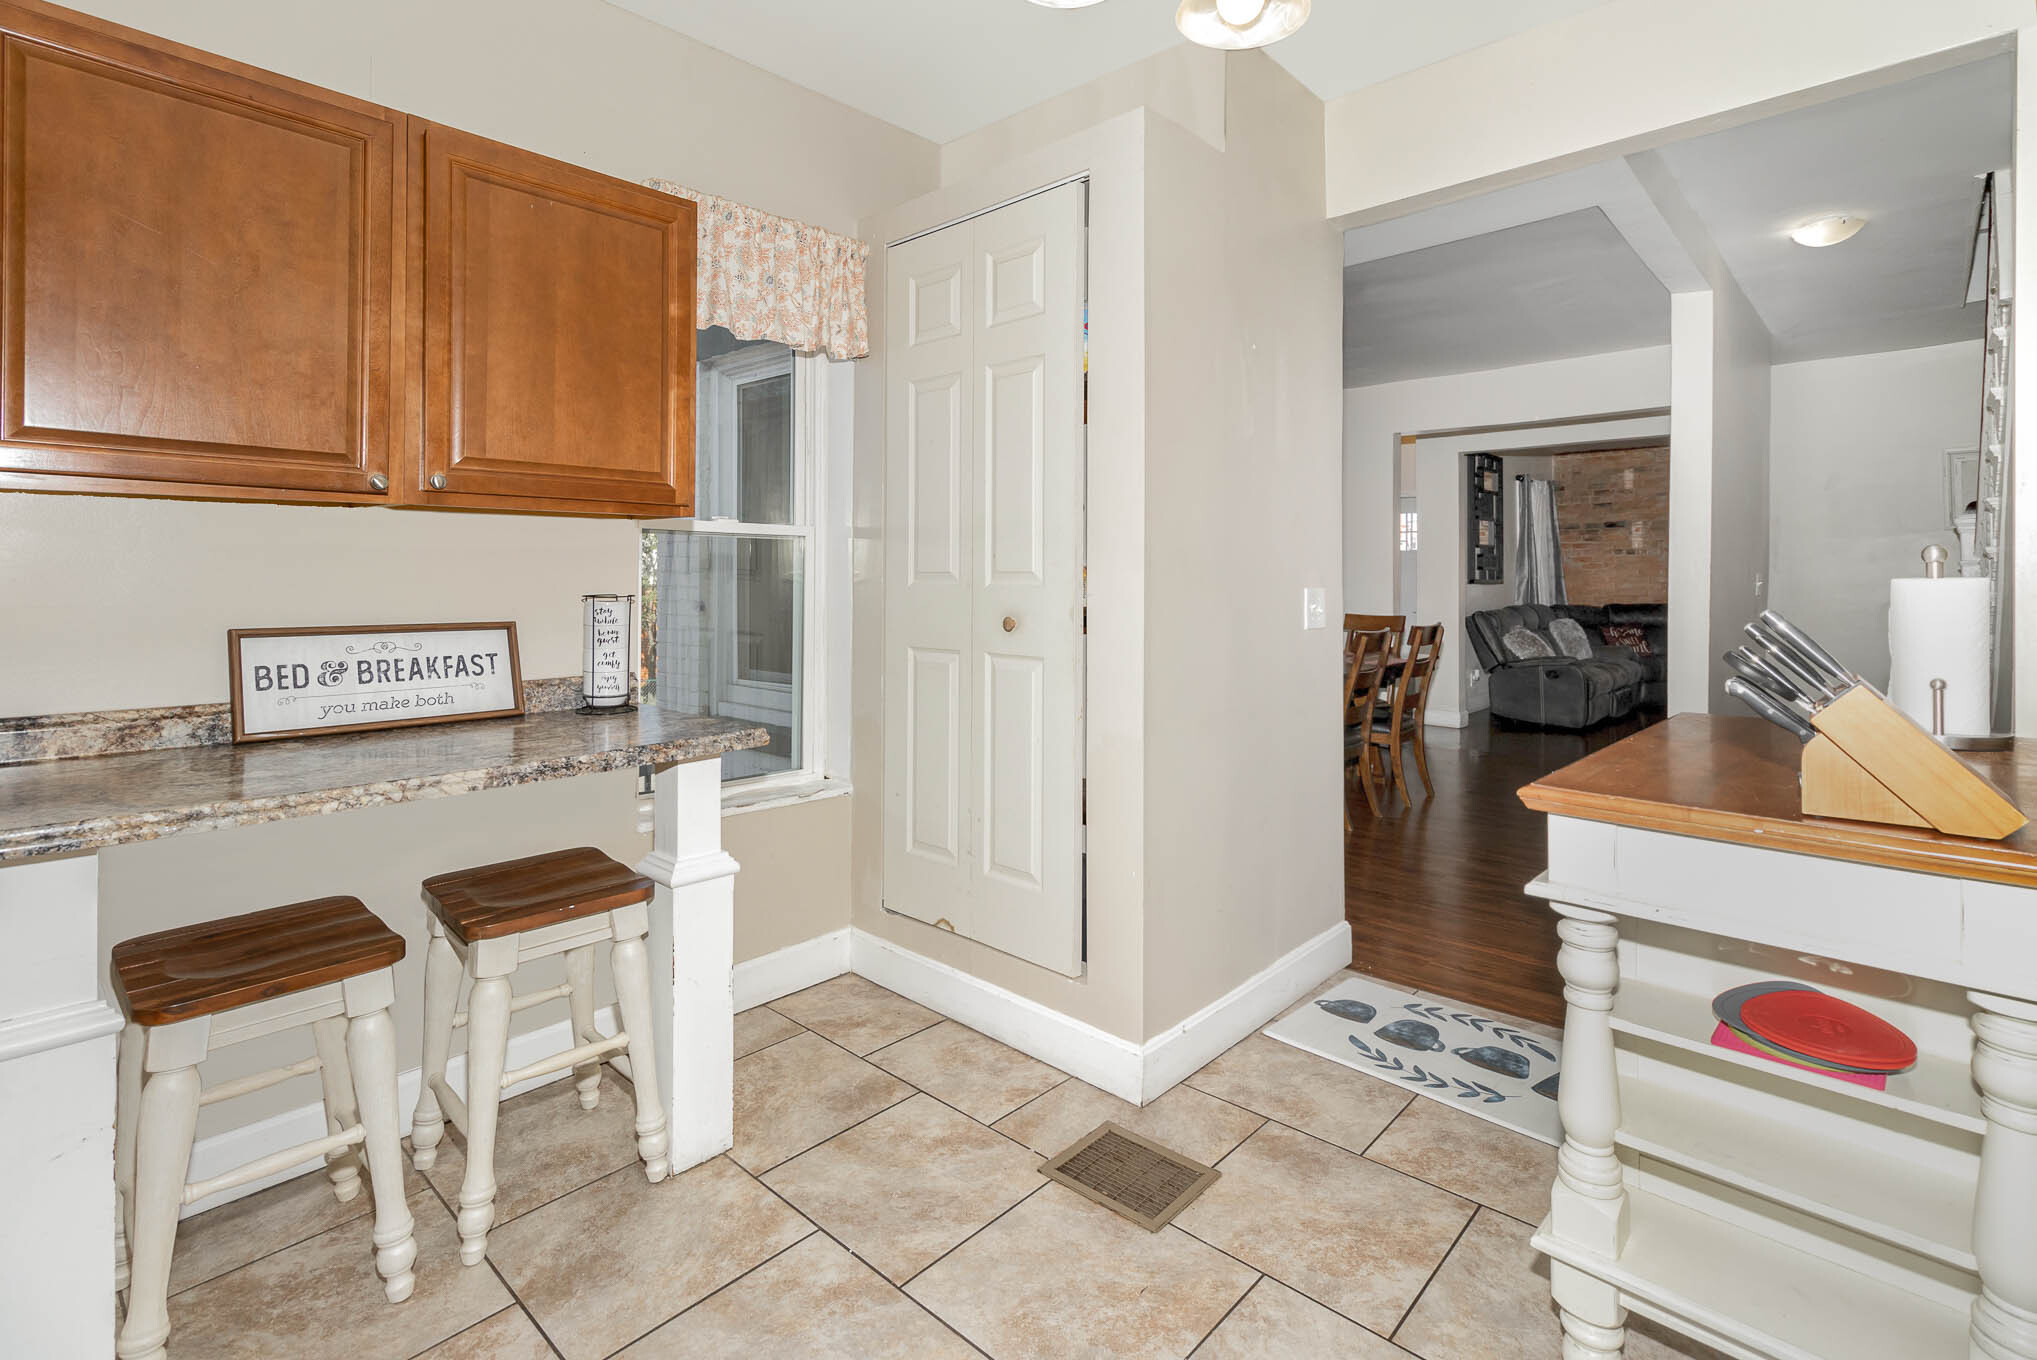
{"x":883,"y":1200}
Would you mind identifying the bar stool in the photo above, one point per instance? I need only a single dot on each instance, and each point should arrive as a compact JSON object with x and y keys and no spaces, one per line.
{"x":487,"y":921}
{"x":195,"y":990}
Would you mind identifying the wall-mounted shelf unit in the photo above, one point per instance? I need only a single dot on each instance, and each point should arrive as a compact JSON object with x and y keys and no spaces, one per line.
{"x":1484,"y":519}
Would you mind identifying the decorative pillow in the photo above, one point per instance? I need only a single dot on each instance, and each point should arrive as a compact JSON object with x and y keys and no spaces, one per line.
{"x":1629,"y":635}
{"x":1524,"y":644}
{"x":1570,"y":638}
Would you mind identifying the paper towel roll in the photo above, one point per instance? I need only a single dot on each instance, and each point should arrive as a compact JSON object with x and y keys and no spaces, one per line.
{"x":1938,"y":629}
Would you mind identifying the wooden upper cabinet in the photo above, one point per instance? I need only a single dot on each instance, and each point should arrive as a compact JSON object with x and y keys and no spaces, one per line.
{"x":200,"y":283}
{"x":557,"y":333}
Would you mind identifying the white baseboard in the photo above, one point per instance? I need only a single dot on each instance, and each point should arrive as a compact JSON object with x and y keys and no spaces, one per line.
{"x":1103,"y":1060}
{"x":1169,"y":1057}
{"x":221,"y":1152}
{"x":1135,"y":1072}
{"x":1446,"y":717}
{"x":791,"y":969}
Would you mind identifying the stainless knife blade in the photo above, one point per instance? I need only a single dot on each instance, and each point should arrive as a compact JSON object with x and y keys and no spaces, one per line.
{"x":1771,"y":647}
{"x":1827,"y":664}
{"x":1754,"y":669}
{"x":1762,"y":703}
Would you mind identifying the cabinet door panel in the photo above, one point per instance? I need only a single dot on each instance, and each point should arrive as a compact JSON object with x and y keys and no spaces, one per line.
{"x":196,"y":273}
{"x":558,"y":331}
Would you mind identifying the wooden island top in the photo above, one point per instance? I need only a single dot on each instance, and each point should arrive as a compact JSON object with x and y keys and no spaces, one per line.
{"x":1735,"y":779}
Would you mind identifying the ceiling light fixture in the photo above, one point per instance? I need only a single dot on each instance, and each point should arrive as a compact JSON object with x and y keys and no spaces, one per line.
{"x":1827,"y":231}
{"x":1234,"y":24}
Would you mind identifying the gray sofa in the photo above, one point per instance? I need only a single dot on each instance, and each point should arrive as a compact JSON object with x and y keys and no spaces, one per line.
{"x":1562,"y":691}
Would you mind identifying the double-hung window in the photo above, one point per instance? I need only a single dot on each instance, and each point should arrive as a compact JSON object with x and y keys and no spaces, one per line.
{"x":731,"y":600}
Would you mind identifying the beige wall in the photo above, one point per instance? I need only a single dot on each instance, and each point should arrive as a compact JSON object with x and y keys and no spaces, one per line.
{"x":1214,"y":465}
{"x":1184,"y":84}
{"x":1244,"y":850}
{"x":1857,"y":487}
{"x":117,"y":602}
{"x":1109,"y":994}
{"x":795,"y":862}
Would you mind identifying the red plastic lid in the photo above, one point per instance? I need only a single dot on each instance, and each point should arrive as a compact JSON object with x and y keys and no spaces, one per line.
{"x":1825,"y":1027}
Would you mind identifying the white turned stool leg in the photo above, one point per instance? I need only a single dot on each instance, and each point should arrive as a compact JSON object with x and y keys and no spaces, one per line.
{"x":1588,"y":1203}
{"x":580,"y":977}
{"x":630,"y":962}
{"x":441,"y":998}
{"x":167,"y":1124}
{"x":126,"y":1118}
{"x":371,"y":1046}
{"x":329,"y":1038}
{"x":487,"y":1049}
{"x":2005,"y":1196}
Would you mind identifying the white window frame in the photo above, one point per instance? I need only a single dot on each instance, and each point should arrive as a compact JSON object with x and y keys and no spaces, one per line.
{"x":715,"y":409}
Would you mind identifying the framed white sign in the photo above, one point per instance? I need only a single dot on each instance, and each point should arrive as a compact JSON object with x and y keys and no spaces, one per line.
{"x":296,"y":682}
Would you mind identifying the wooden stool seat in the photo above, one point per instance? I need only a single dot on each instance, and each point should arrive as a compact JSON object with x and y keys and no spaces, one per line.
{"x":487,"y":922}
{"x":219,"y":965}
{"x":516,"y":895}
{"x":327,"y":965}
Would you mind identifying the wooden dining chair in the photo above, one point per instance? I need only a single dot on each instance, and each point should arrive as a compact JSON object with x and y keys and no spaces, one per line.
{"x":1365,"y":669}
{"x":1398,"y":723}
{"x":1396,"y":624}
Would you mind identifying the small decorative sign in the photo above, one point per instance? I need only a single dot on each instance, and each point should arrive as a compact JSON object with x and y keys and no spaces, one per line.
{"x":294,"y":682}
{"x":605,"y":651}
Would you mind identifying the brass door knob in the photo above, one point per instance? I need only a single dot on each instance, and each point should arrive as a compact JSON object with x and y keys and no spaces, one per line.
{"x":1010,"y":623}
{"x":438,"y":481}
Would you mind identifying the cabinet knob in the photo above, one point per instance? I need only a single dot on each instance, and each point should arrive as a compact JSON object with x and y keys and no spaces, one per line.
{"x":1010,"y":623}
{"x":438,"y":481}
{"x":378,"y":483}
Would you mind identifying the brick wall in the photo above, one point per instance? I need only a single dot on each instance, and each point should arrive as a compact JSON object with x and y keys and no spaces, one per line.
{"x":1612,"y":518}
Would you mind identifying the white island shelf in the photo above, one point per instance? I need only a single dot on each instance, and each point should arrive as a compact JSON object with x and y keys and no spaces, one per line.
{"x":1774,"y":1212}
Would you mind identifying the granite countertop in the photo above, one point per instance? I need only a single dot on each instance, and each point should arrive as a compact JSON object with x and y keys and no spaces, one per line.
{"x":53,"y":807}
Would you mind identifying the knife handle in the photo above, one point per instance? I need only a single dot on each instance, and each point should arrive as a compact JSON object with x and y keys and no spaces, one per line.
{"x":1760,"y":702}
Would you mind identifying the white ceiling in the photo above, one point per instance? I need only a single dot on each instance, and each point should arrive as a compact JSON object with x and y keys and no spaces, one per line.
{"x":1448,"y":290}
{"x":1550,"y":289}
{"x":943,"y":68}
{"x":1906,"y":158}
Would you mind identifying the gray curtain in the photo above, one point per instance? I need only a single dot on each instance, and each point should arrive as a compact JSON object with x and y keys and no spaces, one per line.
{"x":1538,"y":558}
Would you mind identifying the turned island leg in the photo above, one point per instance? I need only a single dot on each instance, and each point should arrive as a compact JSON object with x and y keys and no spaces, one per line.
{"x":2005,"y":1196}
{"x":1588,"y":1204}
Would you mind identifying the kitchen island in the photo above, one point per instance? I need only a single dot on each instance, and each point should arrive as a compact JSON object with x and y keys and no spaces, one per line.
{"x":1769,"y":1210}
{"x":57,"y":1027}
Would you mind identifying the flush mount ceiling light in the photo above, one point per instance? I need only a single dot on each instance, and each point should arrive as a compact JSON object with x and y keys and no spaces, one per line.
{"x":1827,"y":231}
{"x":1235,"y":24}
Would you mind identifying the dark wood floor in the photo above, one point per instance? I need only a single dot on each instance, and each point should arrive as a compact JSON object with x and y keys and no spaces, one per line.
{"x":1433,"y":891}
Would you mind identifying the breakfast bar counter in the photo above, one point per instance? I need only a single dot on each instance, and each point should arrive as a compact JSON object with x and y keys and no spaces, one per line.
{"x":57,"y":1027}
{"x":50,"y":807}
{"x":1770,"y":1209}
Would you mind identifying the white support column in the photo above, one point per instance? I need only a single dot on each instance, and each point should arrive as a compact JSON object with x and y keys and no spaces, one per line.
{"x":692,"y":959}
{"x":1588,"y":1204}
{"x":2004,"y":1229}
{"x":57,"y":1044}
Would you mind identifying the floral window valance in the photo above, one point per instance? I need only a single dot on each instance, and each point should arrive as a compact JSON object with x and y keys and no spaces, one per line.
{"x":770,"y":278}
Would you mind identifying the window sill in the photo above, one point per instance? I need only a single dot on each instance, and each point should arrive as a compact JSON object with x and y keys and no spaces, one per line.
{"x":780,"y":791}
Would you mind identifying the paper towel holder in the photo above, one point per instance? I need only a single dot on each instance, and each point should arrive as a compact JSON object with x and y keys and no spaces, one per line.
{"x":1935,"y":557}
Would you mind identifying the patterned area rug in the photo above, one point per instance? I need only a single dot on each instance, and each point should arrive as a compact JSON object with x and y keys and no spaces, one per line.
{"x":1437,"y":1049}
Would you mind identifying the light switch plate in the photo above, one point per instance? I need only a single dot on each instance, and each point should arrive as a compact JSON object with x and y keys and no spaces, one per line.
{"x":1313,"y":613}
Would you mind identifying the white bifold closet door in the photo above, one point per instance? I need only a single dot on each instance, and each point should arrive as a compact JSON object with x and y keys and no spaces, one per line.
{"x":983,"y":578}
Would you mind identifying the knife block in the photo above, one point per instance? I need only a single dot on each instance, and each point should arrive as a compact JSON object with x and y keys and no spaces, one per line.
{"x":1871,"y":762}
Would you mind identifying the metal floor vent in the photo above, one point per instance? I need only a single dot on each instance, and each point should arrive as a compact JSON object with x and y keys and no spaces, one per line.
{"x":1129,"y":1175}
